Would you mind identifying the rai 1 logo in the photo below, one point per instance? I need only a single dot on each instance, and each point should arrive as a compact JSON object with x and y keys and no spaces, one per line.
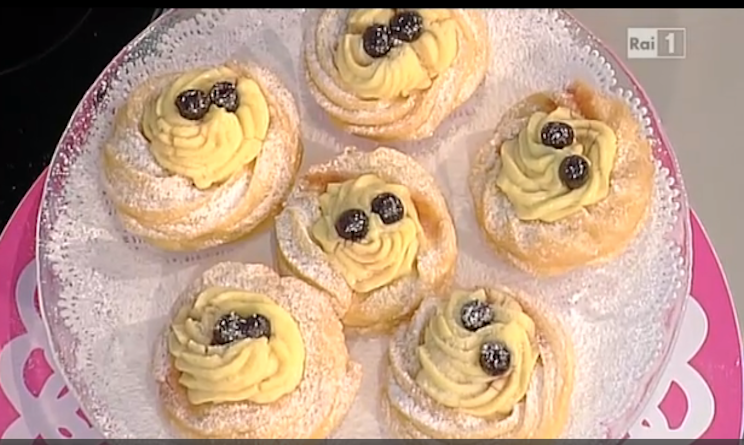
{"x":656,"y":43}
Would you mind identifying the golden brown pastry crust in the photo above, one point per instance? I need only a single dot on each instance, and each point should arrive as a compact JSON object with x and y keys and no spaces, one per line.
{"x":329,"y":384}
{"x":413,"y":118}
{"x":542,"y":414}
{"x":168,"y":211}
{"x":385,"y":307}
{"x":599,"y":232}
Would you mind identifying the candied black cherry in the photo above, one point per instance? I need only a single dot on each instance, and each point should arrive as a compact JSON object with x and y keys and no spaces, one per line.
{"x":352,"y":225}
{"x":476,"y":314}
{"x":557,"y":135}
{"x":574,"y":171}
{"x":257,"y":326}
{"x":225,"y":95}
{"x":232,"y":327}
{"x":192,"y":104}
{"x":495,"y":358}
{"x":229,"y":328}
{"x":389,"y":207}
{"x":407,"y":26}
{"x":376,"y":41}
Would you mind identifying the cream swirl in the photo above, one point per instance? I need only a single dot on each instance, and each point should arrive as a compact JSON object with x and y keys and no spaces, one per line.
{"x":387,"y":252}
{"x":450,"y":370}
{"x":408,"y":67}
{"x":529,"y":174}
{"x":257,"y":370}
{"x":209,"y":150}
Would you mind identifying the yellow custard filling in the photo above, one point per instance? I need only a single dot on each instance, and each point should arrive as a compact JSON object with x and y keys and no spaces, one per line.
{"x":211,"y":149}
{"x":258,"y":370}
{"x":408,"y":66}
{"x":451,"y":356}
{"x":385,"y":252}
{"x":530,"y":171}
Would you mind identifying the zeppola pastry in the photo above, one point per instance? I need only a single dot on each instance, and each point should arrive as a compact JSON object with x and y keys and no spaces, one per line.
{"x":373,"y":230}
{"x":566,"y":180}
{"x":480,"y":364}
{"x":251,"y":355}
{"x":395,"y":74}
{"x":201,"y":158}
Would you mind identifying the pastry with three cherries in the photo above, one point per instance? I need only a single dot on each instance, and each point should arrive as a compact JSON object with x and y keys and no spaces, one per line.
{"x":251,"y":355}
{"x":374,"y":231}
{"x":395,"y":74}
{"x":566,"y":181}
{"x":481,"y":364}
{"x":202,"y":157}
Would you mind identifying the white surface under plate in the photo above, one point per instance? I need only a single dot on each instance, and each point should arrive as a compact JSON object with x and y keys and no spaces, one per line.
{"x":105,"y":295}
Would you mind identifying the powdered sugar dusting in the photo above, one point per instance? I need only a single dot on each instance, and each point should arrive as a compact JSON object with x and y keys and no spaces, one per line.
{"x":133,"y":150}
{"x":106,"y":295}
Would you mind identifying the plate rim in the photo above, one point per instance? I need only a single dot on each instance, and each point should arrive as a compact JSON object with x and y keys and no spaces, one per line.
{"x":685,"y":213}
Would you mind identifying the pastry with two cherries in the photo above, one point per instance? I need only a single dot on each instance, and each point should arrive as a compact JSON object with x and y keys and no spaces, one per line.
{"x":395,"y":74}
{"x":373,"y":230}
{"x":480,"y":364}
{"x":202,"y":157}
{"x":565,"y":182}
{"x":251,"y":355}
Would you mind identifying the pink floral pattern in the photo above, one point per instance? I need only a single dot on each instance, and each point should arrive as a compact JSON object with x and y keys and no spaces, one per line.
{"x":699,"y":396}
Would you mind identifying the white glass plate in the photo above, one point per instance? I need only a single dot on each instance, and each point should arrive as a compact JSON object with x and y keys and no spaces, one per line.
{"x":105,"y":294}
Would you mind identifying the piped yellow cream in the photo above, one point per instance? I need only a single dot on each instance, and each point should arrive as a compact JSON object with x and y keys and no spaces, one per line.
{"x":451,"y":372}
{"x":530,"y":177}
{"x":209,"y":150}
{"x":408,"y":67}
{"x":387,"y":252}
{"x":259,"y":370}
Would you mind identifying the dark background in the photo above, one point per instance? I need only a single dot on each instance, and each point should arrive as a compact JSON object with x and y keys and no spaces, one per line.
{"x":50,"y":56}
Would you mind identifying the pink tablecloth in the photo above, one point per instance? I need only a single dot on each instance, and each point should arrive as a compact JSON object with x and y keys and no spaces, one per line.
{"x":700,"y":395}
